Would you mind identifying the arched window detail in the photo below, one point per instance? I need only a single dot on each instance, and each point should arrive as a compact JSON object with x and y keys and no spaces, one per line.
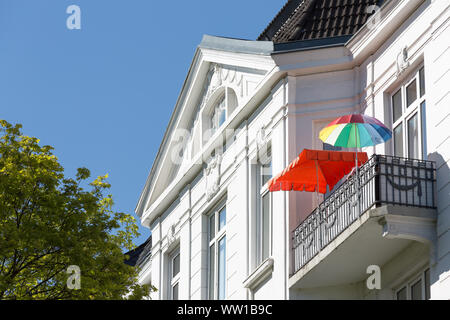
{"x":223,"y":107}
{"x":219,"y":114}
{"x":220,"y":105}
{"x":232,"y":101}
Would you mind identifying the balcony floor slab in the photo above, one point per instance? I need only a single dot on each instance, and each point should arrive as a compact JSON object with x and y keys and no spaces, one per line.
{"x":363,"y":243}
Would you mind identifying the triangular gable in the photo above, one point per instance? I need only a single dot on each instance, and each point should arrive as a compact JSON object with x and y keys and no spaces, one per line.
{"x":210,"y":75}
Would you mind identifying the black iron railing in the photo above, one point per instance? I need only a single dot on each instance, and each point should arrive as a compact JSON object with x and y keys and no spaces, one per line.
{"x":382,"y":180}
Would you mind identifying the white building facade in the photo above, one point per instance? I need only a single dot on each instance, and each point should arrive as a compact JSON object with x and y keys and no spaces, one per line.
{"x":248,"y":108}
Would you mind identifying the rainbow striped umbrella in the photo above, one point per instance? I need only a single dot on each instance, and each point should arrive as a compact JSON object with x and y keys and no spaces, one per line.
{"x":355,"y":131}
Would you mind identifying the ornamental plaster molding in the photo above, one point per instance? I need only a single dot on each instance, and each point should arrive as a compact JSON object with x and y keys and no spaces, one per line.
{"x":171,"y":236}
{"x":402,"y":61}
{"x":212,"y":174}
{"x":261,"y":138}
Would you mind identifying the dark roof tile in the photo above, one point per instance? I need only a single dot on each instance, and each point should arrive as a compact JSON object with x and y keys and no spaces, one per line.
{"x":139,"y":255}
{"x":315,"y":19}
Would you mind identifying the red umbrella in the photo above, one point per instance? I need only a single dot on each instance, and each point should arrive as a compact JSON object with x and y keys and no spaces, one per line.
{"x":313,"y":170}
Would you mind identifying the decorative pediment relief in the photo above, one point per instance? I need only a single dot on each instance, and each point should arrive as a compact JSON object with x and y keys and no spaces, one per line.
{"x":261,"y":138}
{"x":216,"y":80}
{"x":213,"y":81}
{"x":402,"y":60}
{"x":171,"y":236}
{"x":221,"y":76}
{"x":212,"y":174}
{"x":232,"y":77}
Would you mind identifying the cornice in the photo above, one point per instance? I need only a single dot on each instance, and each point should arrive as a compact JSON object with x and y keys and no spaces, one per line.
{"x":368,"y":39}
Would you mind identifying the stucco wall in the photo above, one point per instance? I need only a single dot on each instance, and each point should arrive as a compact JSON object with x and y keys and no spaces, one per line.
{"x":292,"y":112}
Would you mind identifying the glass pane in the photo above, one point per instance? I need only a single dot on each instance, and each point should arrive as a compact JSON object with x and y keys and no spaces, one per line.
{"x":212,"y":226}
{"x":265,"y":240}
{"x":266,"y":167}
{"x":175,"y":292}
{"x":398,"y":141}
{"x":423,"y":111}
{"x":175,"y":265}
{"x":413,"y":138}
{"x":212,"y":269}
{"x":416,"y":291}
{"x":411,"y":93}
{"x":222,"y":268}
{"x":213,"y":120}
{"x":222,"y":218}
{"x":221,"y":103}
{"x":401,"y":295}
{"x":329,"y":147}
{"x":222,"y":117}
{"x":258,"y":229}
{"x":427,"y":284}
{"x":396,"y":105}
{"x":266,"y":172}
{"x":422,"y":81}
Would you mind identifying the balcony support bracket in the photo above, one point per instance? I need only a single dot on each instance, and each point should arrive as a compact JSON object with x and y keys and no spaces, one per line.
{"x":417,"y":224}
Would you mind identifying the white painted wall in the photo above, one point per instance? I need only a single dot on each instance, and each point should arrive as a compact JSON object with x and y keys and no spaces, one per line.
{"x":437,"y":55}
{"x":395,"y":273}
{"x":292,"y":111}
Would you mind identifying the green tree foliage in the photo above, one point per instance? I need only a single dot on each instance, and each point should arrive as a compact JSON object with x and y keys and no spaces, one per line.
{"x":49,"y":222}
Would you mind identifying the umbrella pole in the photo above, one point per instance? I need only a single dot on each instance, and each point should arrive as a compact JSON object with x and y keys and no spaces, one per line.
{"x":356,"y":171}
{"x":317,"y":184}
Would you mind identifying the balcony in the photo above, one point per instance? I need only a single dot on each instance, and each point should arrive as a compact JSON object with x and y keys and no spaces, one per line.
{"x":405,"y":186}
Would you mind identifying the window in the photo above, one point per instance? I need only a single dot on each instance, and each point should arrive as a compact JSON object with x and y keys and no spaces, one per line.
{"x":408,"y":110}
{"x":424,"y":129}
{"x":222,"y":109}
{"x":417,"y":289}
{"x":427,"y":285}
{"x":413,"y":138}
{"x":329,"y":147}
{"x":174,"y":274}
{"x":401,"y":294}
{"x":411,"y":93}
{"x":219,"y":114}
{"x":217,"y":253}
{"x":263,"y":221}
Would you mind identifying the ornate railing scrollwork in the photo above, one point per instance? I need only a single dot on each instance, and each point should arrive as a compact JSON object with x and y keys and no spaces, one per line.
{"x":377,"y":181}
{"x":406,"y":187}
{"x":328,"y":224}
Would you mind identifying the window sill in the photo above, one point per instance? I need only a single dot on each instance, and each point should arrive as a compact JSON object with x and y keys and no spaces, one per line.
{"x":260,"y":274}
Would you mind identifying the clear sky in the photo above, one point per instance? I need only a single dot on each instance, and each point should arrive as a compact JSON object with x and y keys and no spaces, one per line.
{"x":103,"y":95}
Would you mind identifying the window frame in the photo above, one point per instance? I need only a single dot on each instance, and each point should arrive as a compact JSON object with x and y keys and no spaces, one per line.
{"x":219,"y":106}
{"x":174,"y":280}
{"x":329,"y":147}
{"x":408,"y":112}
{"x":262,"y":190}
{"x":421,"y":276}
{"x":219,"y":234}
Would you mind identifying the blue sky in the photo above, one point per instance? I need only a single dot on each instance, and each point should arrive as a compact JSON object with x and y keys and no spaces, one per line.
{"x":103,"y":95}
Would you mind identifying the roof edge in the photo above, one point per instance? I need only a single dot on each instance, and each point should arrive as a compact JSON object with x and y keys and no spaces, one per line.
{"x":279,"y":19}
{"x":301,"y":45}
{"x":208,"y":42}
{"x":143,"y":198}
{"x":236,"y":45}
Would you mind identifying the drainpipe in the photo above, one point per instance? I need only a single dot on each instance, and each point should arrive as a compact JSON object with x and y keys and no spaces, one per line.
{"x":190,"y":241}
{"x":247,"y":185}
{"x":161,"y":274}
